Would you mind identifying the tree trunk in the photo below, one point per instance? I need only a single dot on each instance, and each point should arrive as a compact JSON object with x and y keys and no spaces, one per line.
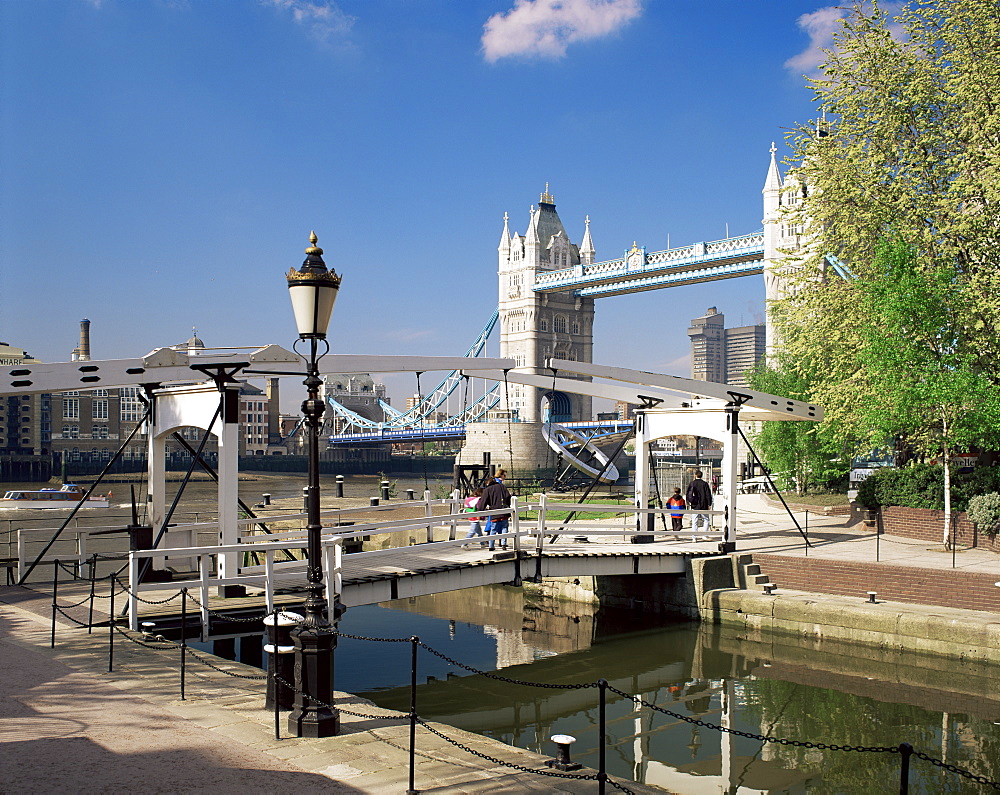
{"x":947,"y":484}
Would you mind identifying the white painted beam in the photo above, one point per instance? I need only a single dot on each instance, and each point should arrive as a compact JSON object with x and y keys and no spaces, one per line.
{"x":756,"y":402}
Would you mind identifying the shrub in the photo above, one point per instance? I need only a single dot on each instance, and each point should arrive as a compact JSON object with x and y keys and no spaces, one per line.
{"x":984,"y":510}
{"x":922,"y":486}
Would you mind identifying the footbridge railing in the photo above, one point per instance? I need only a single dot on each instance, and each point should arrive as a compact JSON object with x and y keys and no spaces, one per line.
{"x":439,"y":530}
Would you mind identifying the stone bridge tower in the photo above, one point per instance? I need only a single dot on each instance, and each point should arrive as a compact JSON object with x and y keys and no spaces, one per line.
{"x":535,"y":327}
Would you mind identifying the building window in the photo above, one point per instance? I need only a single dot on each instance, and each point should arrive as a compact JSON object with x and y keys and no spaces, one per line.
{"x":576,"y":327}
{"x":101,"y":409}
{"x":71,"y":409}
{"x":543,"y":324}
{"x":131,"y":407}
{"x":100,"y":432}
{"x":559,"y":324}
{"x":100,"y":393}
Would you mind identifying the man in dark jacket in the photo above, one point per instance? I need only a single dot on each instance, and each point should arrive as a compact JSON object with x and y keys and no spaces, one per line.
{"x":699,"y":497}
{"x":494,"y":497}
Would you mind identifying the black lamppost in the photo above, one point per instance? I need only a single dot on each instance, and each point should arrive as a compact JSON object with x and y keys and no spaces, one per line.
{"x":313,"y":290}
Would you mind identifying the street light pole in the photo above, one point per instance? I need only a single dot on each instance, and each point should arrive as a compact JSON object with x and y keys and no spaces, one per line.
{"x":313,"y":290}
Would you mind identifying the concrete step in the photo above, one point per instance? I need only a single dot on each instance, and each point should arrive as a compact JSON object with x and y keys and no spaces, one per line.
{"x":760,"y":579}
{"x":753,"y":568}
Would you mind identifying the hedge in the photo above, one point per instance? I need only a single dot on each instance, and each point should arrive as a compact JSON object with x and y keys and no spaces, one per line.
{"x":922,"y":486}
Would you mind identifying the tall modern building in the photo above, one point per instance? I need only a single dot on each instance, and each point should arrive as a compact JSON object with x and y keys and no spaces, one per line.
{"x":724,"y":355}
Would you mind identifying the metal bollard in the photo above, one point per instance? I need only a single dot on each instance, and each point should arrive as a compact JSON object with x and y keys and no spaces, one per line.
{"x":411,"y":494}
{"x":340,"y":485}
{"x":562,"y":761}
{"x":279,"y":628}
{"x":305,"y":499}
{"x":385,"y":490}
{"x":871,"y":596}
{"x":373,"y":501}
{"x":267,"y":498}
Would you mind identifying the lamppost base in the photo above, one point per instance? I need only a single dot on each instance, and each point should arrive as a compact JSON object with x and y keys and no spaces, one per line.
{"x":726,"y":547}
{"x":315,"y":723}
{"x":316,"y":716}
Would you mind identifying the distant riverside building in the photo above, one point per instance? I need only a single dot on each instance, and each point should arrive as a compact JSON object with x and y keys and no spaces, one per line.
{"x":723,"y":355}
{"x":25,"y":427}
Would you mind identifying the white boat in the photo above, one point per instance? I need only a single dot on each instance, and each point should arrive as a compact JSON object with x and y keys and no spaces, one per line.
{"x":66,"y":497}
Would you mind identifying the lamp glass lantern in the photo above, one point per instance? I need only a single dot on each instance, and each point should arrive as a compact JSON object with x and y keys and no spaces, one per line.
{"x":313,"y":289}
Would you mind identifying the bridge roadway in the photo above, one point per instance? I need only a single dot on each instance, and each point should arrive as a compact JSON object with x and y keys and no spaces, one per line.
{"x":604,"y":431}
{"x":382,"y":575}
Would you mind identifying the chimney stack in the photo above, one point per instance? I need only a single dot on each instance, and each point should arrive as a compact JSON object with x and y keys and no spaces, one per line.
{"x":273,"y":413}
{"x":82,"y":353}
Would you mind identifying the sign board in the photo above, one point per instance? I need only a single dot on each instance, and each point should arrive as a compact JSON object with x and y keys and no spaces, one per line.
{"x":858,"y":475}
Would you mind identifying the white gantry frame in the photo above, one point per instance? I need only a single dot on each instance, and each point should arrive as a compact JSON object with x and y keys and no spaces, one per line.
{"x":211,"y":405}
{"x":673,"y":406}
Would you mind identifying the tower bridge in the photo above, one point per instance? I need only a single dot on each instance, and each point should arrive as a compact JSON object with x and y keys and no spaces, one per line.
{"x":547,"y":285}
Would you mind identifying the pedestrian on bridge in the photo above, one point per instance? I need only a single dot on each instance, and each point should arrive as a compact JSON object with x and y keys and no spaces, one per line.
{"x":676,"y":501}
{"x":496,"y":496}
{"x":699,"y":498}
{"x":475,"y":528}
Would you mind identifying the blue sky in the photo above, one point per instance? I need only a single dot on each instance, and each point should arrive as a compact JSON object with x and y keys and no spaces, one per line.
{"x":165,"y":160}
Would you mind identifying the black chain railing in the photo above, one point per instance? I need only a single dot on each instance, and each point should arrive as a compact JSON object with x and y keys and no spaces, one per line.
{"x":159,"y":643}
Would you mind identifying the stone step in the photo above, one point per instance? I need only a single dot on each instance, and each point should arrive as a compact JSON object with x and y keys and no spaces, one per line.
{"x":760,"y":579}
{"x":753,"y":568}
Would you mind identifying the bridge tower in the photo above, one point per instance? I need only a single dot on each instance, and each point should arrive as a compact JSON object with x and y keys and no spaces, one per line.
{"x":785,"y":239}
{"x":535,"y":327}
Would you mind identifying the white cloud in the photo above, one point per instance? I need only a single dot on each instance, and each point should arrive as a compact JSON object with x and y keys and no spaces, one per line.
{"x":322,"y":18}
{"x":820,"y":25}
{"x":544,"y":28}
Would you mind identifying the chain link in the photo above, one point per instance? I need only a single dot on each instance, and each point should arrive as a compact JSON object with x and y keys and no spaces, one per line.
{"x":191,"y":653}
{"x":234,"y":619}
{"x":167,"y":647}
{"x":70,"y":618}
{"x":362,"y":637}
{"x":955,"y":769}
{"x":138,"y":598}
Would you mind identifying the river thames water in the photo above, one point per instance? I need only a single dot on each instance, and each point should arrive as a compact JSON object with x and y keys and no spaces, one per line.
{"x":781,"y":686}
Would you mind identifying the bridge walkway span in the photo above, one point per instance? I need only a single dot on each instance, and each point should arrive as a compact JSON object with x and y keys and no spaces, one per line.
{"x":423,"y":555}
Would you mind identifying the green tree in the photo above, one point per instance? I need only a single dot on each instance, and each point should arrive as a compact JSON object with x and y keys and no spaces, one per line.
{"x":908,"y":152}
{"x":911,"y":150}
{"x":803,"y":455}
{"x":913,"y":351}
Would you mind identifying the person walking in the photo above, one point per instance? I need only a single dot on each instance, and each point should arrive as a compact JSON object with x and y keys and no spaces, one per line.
{"x":676,"y":501}
{"x":699,"y":498}
{"x":494,"y":497}
{"x":475,"y":528}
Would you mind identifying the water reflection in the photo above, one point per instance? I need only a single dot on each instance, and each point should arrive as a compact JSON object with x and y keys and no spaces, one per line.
{"x":776,"y":686}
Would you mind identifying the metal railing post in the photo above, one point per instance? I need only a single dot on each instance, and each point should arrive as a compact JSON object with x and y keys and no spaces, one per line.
{"x":93,"y":584}
{"x":414,"y":644}
{"x":429,"y":512}
{"x":184,"y":614}
{"x":905,"y":751}
{"x":203,"y":576}
{"x":55,"y":589}
{"x":602,"y":770}
{"x":111,"y":624}
{"x":133,"y":591}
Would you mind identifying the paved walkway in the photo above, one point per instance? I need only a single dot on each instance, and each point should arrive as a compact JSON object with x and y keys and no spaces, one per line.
{"x":66,"y":724}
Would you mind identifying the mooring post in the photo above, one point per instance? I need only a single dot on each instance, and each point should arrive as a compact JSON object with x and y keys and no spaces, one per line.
{"x":55,"y":589}
{"x":414,"y":644}
{"x":905,"y":751}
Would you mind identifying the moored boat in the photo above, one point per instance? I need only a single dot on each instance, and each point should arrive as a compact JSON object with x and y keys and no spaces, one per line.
{"x":66,"y":497}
